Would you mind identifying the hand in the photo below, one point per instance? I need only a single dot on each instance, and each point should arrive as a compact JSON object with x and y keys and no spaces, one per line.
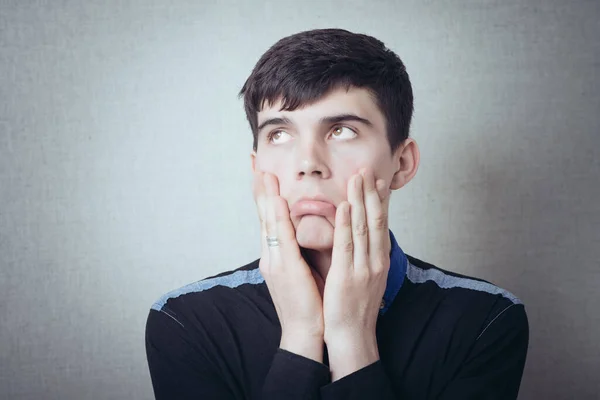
{"x":357,"y":278}
{"x":293,"y":285}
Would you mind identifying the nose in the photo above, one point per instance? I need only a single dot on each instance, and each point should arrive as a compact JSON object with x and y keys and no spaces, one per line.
{"x":311,"y":160}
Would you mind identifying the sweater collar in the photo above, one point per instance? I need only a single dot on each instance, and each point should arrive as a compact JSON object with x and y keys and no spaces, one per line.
{"x":396,"y":274}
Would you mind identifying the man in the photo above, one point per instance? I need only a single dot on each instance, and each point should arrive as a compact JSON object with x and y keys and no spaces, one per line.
{"x":334,"y":309}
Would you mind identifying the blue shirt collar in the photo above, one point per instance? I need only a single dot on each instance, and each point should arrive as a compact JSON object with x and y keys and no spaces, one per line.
{"x":396,"y":274}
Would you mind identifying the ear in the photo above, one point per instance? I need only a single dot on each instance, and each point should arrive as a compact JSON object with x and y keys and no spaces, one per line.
{"x":253,"y":160}
{"x":407,"y":159}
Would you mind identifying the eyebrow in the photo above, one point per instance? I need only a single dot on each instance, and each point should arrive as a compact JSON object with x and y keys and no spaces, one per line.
{"x":275,"y":121}
{"x":334,"y":119}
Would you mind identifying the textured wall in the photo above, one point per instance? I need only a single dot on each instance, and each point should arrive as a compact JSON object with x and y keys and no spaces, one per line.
{"x":124,"y":169}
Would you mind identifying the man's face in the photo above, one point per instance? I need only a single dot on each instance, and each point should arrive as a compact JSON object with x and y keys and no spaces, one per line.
{"x":315,"y":150}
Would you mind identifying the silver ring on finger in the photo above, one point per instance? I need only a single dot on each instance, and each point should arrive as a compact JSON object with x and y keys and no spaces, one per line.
{"x":272,"y":241}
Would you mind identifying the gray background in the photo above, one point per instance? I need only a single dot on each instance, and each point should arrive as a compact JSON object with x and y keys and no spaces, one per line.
{"x":125,"y":170}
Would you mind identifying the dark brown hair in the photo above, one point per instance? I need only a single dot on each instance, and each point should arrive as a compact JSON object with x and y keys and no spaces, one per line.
{"x":302,"y":68}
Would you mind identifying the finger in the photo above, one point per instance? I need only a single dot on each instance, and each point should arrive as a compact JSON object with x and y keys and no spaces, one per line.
{"x":343,"y":248}
{"x":372,"y":197}
{"x":271,"y":219}
{"x":286,"y":234}
{"x":385,"y":194}
{"x":256,"y":181}
{"x":258,"y":192}
{"x":377,"y":220}
{"x":281,"y":224}
{"x":360,"y":229}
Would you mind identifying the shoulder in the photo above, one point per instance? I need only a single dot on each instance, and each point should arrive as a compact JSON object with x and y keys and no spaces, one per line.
{"x":421,"y":272}
{"x":201,"y":296}
{"x":464,"y":299}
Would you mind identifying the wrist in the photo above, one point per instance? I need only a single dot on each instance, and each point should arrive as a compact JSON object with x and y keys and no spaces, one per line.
{"x":305,"y":345}
{"x":347,"y":335}
{"x":348,"y":353}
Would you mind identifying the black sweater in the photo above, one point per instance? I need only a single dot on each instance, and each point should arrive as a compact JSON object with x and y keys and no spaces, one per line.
{"x":440,"y":336}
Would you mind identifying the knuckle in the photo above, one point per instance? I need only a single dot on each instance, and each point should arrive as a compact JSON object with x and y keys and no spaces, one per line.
{"x":380,"y":221}
{"x":282,"y":244}
{"x":346,"y":223}
{"x":371,"y":189}
{"x":360,"y":229}
{"x":382,"y":265}
{"x":363,"y":274}
{"x":347,"y":247}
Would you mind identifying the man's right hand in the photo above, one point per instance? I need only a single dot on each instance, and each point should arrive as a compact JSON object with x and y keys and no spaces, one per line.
{"x":291,"y":282}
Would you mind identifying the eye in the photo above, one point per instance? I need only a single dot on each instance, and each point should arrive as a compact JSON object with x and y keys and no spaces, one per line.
{"x":275,"y":136}
{"x":343,"y":132}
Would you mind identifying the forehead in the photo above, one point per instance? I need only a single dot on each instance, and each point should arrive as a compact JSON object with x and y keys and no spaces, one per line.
{"x":358,"y":101}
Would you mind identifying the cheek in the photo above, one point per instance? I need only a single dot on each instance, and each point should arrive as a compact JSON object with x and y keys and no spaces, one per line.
{"x":346,"y":166}
{"x":343,"y":169}
{"x":278,"y":166}
{"x":271,"y":162}
{"x":349,"y":163}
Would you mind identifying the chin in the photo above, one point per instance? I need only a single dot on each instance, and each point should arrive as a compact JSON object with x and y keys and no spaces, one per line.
{"x":315,"y":233}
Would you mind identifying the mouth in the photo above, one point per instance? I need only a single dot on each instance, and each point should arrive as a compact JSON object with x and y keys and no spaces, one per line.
{"x":318,"y":205}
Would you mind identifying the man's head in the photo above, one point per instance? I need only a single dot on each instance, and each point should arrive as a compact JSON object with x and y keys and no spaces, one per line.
{"x":321,"y":105}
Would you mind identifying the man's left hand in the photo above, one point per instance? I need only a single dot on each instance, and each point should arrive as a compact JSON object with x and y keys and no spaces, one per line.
{"x":357,"y":278}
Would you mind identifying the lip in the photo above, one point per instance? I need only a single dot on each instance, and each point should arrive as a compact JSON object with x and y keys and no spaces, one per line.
{"x":314,"y":198}
{"x":313,"y":205}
